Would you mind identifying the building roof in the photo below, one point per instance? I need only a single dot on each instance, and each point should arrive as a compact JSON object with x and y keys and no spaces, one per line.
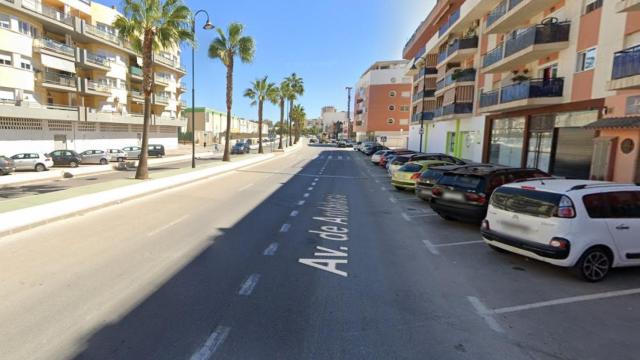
{"x":619,"y":122}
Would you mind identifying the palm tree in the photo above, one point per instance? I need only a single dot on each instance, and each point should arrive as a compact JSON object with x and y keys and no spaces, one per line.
{"x":296,"y":84}
{"x":151,"y":25}
{"x":298,"y":115}
{"x":227,"y":47}
{"x":260,"y":91}
{"x":283,"y":93}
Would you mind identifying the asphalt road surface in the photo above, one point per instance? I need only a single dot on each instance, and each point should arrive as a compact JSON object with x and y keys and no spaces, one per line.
{"x":307,"y":256}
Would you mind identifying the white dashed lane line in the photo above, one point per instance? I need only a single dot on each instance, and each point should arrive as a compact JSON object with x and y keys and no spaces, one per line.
{"x":249,"y":284}
{"x":301,"y":202}
{"x":405,"y":216}
{"x":212,"y":344}
{"x":285,"y":227}
{"x":306,"y":195}
{"x":294,"y":213}
{"x":271,"y":250}
{"x":310,"y":188}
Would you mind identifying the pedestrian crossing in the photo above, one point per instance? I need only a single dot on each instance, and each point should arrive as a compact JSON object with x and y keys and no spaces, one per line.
{"x":334,"y":157}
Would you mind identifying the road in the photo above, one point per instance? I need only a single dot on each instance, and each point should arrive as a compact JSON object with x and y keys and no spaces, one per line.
{"x":307,"y":256}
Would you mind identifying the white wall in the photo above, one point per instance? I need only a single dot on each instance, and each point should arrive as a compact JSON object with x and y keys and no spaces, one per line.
{"x":471,"y":149}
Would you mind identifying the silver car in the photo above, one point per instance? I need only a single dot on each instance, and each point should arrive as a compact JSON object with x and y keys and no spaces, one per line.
{"x":95,"y":157}
{"x":133,"y":152}
{"x":117,"y":155}
{"x":32,"y":161}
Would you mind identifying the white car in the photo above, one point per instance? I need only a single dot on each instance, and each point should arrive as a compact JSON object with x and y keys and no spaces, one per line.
{"x":32,"y":161}
{"x":375,"y":158}
{"x":117,"y":155}
{"x":590,"y":226}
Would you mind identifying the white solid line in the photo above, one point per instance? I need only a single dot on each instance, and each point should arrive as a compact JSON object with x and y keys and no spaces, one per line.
{"x":285,"y":228}
{"x":212,"y":344}
{"x":430,"y":247}
{"x":310,"y":188}
{"x":271,"y":250}
{"x":294,"y":213}
{"x":306,"y":195}
{"x":568,"y":300}
{"x":485,"y":314}
{"x":423,"y":215}
{"x":249,"y":284}
{"x":245,"y":187}
{"x":173,"y":223}
{"x":405,"y":216}
{"x":330,"y":157}
{"x":301,"y":202}
{"x":393,"y":199}
{"x":459,"y":243}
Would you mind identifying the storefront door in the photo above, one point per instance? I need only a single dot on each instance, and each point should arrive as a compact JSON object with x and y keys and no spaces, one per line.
{"x":540,"y":150}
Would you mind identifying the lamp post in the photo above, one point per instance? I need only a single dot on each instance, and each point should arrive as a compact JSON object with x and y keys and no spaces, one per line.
{"x":207,"y":26}
{"x":421,"y":131}
{"x":348,"y":88}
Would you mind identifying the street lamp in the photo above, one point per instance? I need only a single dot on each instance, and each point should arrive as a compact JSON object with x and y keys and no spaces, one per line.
{"x":207,"y":26}
{"x":348,"y":88}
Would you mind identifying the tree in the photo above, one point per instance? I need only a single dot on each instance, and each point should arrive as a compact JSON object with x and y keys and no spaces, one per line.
{"x":280,"y":96}
{"x":226,"y":47}
{"x":149,"y":26}
{"x":296,"y":89}
{"x":299,"y":116}
{"x":260,"y":90}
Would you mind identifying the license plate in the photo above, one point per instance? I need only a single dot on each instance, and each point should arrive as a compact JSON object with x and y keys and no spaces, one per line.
{"x":453,"y":196}
{"x":515,"y":226}
{"x":425,"y":192}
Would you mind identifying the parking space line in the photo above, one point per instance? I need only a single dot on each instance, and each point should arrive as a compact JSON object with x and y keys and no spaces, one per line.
{"x":459,"y":243}
{"x":431,"y":247}
{"x":383,"y":188}
{"x":405,"y":216}
{"x":424,"y":215}
{"x":212,"y":344}
{"x":294,"y":213}
{"x":271,"y":250}
{"x":249,"y":284}
{"x":285,"y":227}
{"x":485,"y":313}
{"x":310,"y":188}
{"x":567,"y":300}
{"x":316,"y":179}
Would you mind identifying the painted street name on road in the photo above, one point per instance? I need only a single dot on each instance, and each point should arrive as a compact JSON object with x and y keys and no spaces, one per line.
{"x":334,"y":226}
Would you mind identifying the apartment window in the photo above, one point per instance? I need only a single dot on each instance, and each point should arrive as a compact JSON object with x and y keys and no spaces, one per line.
{"x":633,"y":105}
{"x":406,"y":94}
{"x":393,"y":80}
{"x":392,"y":93}
{"x":106,"y":28}
{"x":586,"y":60}
{"x":27,"y":29}
{"x":392,"y":107}
{"x":391,"y":121}
{"x":404,"y":108}
{"x":26,"y":64}
{"x":592,"y":5}
{"x":5,"y":21}
{"x":5,"y":59}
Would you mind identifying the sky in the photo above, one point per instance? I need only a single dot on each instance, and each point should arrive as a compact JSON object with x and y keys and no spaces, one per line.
{"x":329,"y":43}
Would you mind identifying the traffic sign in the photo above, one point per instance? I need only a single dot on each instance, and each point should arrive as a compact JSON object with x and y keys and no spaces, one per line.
{"x":383,"y":138}
{"x":421,"y":131}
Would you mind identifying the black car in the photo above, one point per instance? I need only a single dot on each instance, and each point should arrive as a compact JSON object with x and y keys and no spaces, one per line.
{"x":430,"y":178}
{"x":66,"y":158}
{"x":438,"y":156}
{"x":241,"y":148}
{"x":370,"y":150}
{"x":156,"y":150}
{"x":463,"y":194}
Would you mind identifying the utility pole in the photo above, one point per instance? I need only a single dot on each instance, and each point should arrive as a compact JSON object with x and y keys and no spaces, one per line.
{"x":349,"y":112}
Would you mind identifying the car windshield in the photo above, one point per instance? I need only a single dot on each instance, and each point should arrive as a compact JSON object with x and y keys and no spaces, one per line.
{"x":526,"y":201}
{"x":462,"y":181}
{"x":410,"y":168}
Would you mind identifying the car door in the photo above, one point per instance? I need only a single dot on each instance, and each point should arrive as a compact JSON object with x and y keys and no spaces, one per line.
{"x":19,"y":161}
{"x":624,"y":224}
{"x":32,"y":160}
{"x":55,"y":156}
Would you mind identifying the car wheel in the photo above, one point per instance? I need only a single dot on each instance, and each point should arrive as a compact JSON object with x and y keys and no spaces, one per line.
{"x":40,"y":167}
{"x":399,"y":188}
{"x":73,"y":164}
{"x":104,"y":161}
{"x":594,"y":264}
{"x":120,"y":159}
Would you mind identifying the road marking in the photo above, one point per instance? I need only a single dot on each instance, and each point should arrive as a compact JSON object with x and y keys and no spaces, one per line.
{"x":310,"y":188}
{"x":245,"y":187}
{"x":306,"y":195}
{"x":301,"y":202}
{"x":330,"y":157}
{"x":377,"y":181}
{"x":383,"y":188}
{"x":294,"y":213}
{"x":249,"y":284}
{"x":567,"y":300}
{"x":271,"y":250}
{"x":339,"y":157}
{"x":313,"y":184}
{"x":316,"y":179}
{"x":459,"y":243}
{"x":285,"y":227}
{"x":423,"y":215}
{"x":393,"y":199}
{"x":405,"y":216}
{"x":430,"y":247}
{"x":163,"y":228}
{"x":485,"y":314}
{"x":212,"y":344}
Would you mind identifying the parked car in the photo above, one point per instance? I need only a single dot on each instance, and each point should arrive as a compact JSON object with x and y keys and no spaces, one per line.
{"x":32,"y":161}
{"x":367,"y":144}
{"x":394,"y":163}
{"x":375,"y":158}
{"x":438,"y":156}
{"x":384,"y":159}
{"x":66,"y":158}
{"x":342,"y":144}
{"x":464,"y":194}
{"x":406,"y":176}
{"x":429,"y":179}
{"x":156,"y":150}
{"x":117,"y":155}
{"x":241,"y":148}
{"x":6,"y":165}
{"x":370,"y":150}
{"x":589,"y":226}
{"x":95,"y":157}
{"x":133,"y":152}
{"x":313,"y":141}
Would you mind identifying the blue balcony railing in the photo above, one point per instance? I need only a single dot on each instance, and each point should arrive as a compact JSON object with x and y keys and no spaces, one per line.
{"x":493,"y":56}
{"x":421,"y":116}
{"x":420,"y":52}
{"x":539,"y":34}
{"x":438,"y":112}
{"x":424,"y":72}
{"x":626,"y":63}
{"x":490,"y":98}
{"x":499,"y":11}
{"x":530,"y":89}
{"x":461,"y":44}
{"x":455,"y":16}
{"x":442,"y":56}
{"x":457,"y":108}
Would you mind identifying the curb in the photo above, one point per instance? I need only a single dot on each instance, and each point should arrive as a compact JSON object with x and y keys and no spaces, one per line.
{"x":19,"y":220}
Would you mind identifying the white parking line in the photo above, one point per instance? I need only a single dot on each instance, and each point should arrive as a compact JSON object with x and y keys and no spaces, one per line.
{"x":294,"y":213}
{"x":405,"y":216}
{"x":377,"y":181}
{"x":459,"y":243}
{"x":305,"y":195}
{"x":163,"y":228}
{"x":271,"y":250}
{"x":301,"y":202}
{"x":212,"y":344}
{"x":485,"y":314}
{"x":249,"y":284}
{"x":245,"y":187}
{"x":285,"y":227}
{"x":431,"y":247}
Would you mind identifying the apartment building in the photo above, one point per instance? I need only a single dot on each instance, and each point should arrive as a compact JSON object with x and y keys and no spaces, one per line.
{"x":551,"y":84}
{"x":211,"y":125}
{"x":68,"y":82}
{"x":382,"y":103}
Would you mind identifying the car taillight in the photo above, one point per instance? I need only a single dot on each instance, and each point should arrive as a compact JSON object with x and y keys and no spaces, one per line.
{"x":485,"y":225}
{"x":476,"y":198}
{"x":415,"y":176}
{"x":559,"y":243}
{"x":566,"y":209}
{"x":437,"y":192}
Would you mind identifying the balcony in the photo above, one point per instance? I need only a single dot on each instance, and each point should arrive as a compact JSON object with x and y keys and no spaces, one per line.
{"x":626,"y":69}
{"x":426,"y":71}
{"x":100,"y":34}
{"x":49,"y":13}
{"x":93,"y":61}
{"x":60,"y":82}
{"x":459,"y":50}
{"x":530,"y":45}
{"x":160,"y":100}
{"x":182,"y":104}
{"x":422,"y":116}
{"x":182,"y":88}
{"x":455,"y":16}
{"x":135,"y":73}
{"x":136,"y":96}
{"x":627,"y":5}
{"x":510,"y":14}
{"x":166,"y":61}
{"x":90,"y":87}
{"x":162,"y":79}
{"x":424,"y":94}
{"x":453,"y":111}
{"x":457,"y":77}
{"x":527,"y":94}
{"x":420,"y":53}
{"x":58,"y":48}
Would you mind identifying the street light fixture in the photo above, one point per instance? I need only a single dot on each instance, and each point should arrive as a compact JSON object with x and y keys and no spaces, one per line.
{"x":207,"y":26}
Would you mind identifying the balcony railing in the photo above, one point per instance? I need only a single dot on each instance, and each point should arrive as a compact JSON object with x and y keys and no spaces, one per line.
{"x":105,"y":35}
{"x":424,"y":72}
{"x":57,"y":46}
{"x":419,"y":95}
{"x":48,"y":11}
{"x":135,"y":71}
{"x":626,"y":63}
{"x":97,"y":59}
{"x":457,"y":108}
{"x":98,"y":86}
{"x":159,"y":99}
{"x":539,"y":34}
{"x":461,"y":75}
{"x":421,"y":52}
{"x":530,"y":89}
{"x":442,"y":56}
{"x":447,"y":25}
{"x":438,"y":112}
{"x":427,"y":115}
{"x":493,"y":56}
{"x":489,"y":98}
{"x":497,"y":12}
{"x":60,"y":79}
{"x":165,"y":60}
{"x":162,"y":78}
{"x":136,"y":93}
{"x":461,"y":44}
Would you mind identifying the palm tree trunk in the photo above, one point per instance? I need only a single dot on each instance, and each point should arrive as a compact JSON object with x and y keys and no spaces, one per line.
{"x":289,"y":116}
{"x":260,"y":127}
{"x":142,"y":172}
{"x":226,"y":156}
{"x":281,"y":123}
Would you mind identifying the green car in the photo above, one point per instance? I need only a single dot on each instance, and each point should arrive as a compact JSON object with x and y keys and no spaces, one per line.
{"x":406,"y":176}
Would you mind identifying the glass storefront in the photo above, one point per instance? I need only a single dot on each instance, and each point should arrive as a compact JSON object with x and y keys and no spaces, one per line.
{"x":506,"y":141}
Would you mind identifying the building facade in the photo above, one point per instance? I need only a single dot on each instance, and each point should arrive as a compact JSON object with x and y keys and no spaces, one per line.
{"x":329,"y":117}
{"x":68,"y":82}
{"x":382,"y":103}
{"x":211,"y":125}
{"x":551,"y":84}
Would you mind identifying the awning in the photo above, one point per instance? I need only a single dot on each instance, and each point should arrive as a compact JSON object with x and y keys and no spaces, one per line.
{"x":58,"y":64}
{"x":616,"y":123}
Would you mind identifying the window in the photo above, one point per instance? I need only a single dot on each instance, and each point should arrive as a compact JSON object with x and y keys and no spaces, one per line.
{"x":404,"y":108}
{"x":25,"y":64}
{"x":586,"y":60}
{"x":5,"y":21}
{"x":5,"y":59}
{"x":633,"y":105}
{"x":614,"y":205}
{"x":451,"y":142}
{"x":392,"y":93}
{"x":27,"y":29}
{"x":106,"y":28}
{"x":392,"y":107}
{"x":393,"y":80}
{"x":592,"y":5}
{"x":390,"y":121}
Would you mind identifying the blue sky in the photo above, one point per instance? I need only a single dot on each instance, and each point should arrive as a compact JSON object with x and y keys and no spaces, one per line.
{"x":328,"y":42}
